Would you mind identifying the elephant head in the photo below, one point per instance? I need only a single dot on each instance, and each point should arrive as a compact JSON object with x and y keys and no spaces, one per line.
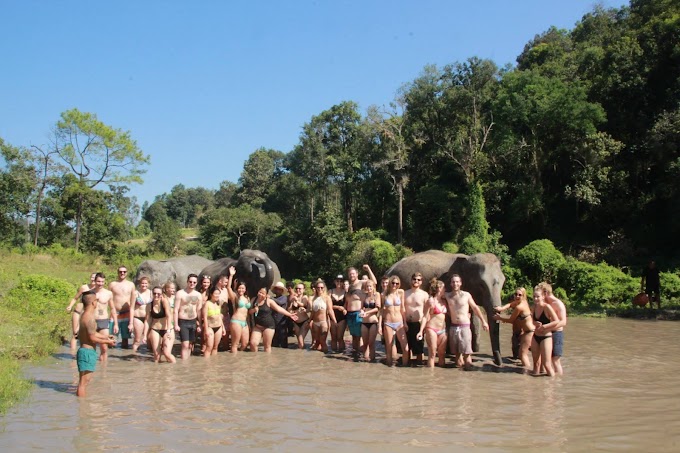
{"x":253,"y":267}
{"x":257,"y":270}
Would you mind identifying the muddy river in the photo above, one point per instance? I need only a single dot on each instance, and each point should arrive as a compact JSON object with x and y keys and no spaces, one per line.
{"x":620,"y":391}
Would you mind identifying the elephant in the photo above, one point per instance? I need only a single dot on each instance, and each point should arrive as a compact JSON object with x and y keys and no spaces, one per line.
{"x":253,"y":267}
{"x":176,"y":270}
{"x":482,"y":277}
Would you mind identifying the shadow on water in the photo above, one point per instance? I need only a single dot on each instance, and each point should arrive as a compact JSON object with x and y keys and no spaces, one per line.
{"x":63,"y":356}
{"x":56,"y":386}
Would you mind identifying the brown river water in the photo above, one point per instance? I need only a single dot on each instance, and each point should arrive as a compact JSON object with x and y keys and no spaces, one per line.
{"x":620,"y":392}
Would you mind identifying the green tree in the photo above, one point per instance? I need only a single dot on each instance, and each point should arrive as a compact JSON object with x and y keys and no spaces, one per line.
{"x":17,"y":184}
{"x":96,"y":153}
{"x":258,"y":176}
{"x":227,"y":231}
{"x":166,"y":237}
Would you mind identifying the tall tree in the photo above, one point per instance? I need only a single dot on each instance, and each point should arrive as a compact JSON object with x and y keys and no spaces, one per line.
{"x":47,"y":168}
{"x":17,"y":184}
{"x":96,"y":153}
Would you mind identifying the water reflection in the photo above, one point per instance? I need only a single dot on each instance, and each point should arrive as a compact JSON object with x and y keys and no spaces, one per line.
{"x":619,"y":392}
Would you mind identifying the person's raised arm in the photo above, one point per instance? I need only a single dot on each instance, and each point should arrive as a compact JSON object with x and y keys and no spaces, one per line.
{"x":230,"y":291}
{"x":478,"y":312}
{"x":74,"y":301}
{"x":371,"y":275}
{"x":512,"y":304}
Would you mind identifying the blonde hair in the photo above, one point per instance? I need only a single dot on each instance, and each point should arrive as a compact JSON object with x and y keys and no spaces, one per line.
{"x":545,"y":287}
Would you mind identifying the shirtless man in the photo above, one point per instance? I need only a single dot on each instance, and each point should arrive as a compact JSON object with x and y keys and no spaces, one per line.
{"x":104,"y":311}
{"x":354,"y":299}
{"x":188,"y":304}
{"x":124,"y":293}
{"x":557,"y":331}
{"x":415,"y":299}
{"x":86,"y":357}
{"x":75,"y":314}
{"x":460,"y":303}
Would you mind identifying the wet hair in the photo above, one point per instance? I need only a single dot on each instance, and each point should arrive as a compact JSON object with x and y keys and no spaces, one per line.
{"x":435,"y":286}
{"x":157,"y":287}
{"x":545,"y":287}
{"x":99,"y":275}
{"x":192,"y":275}
{"x":88,"y":297}
{"x":416,"y":274}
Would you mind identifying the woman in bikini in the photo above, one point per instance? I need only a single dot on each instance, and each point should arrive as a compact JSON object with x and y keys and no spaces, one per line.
{"x":213,"y":323}
{"x":238,"y":324}
{"x":370,"y":320}
{"x":264,"y":324}
{"x":160,"y":327}
{"x":203,"y":287}
{"x":323,"y":315}
{"x":75,"y":314}
{"x":545,"y":319}
{"x":340,"y":325}
{"x":299,"y":304}
{"x":522,"y":322}
{"x":169,"y":290}
{"x":393,"y":314}
{"x":140,"y":328}
{"x":434,"y":324}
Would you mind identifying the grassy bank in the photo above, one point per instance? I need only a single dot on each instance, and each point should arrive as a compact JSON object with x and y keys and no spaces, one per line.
{"x":34,"y":291}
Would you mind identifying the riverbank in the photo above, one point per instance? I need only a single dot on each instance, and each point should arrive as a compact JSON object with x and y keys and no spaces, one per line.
{"x":34,"y":292}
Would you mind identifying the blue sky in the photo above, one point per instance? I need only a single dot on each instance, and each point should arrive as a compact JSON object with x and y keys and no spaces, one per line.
{"x":202,"y":84}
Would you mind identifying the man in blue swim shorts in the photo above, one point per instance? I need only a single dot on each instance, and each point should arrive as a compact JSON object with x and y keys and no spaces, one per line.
{"x":86,"y":358}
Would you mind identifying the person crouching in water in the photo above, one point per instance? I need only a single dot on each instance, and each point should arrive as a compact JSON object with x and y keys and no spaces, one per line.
{"x":86,"y":356}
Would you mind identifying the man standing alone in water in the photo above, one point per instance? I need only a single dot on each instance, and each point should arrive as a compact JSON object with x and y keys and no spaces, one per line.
{"x":415,"y":299}
{"x":86,"y":357}
{"x":460,"y":335}
{"x":651,"y":284}
{"x":124,"y":293}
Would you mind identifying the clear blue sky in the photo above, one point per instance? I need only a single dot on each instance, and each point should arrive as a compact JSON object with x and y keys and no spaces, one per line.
{"x":202,"y":84}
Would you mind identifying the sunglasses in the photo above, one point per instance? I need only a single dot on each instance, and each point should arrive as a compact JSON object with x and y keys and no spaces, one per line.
{"x":417,"y":279}
{"x":157,"y":294}
{"x":395,"y":283}
{"x":122,"y":272}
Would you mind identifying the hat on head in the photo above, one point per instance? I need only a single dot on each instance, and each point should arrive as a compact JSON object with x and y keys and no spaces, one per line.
{"x":339,"y":277}
{"x":280,"y":285}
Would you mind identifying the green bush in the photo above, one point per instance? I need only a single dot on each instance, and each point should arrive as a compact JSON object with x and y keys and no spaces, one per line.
{"x":402,"y":251}
{"x":34,"y":319}
{"x":593,"y":287}
{"x":39,"y":295}
{"x":379,"y":254}
{"x":670,"y":287}
{"x":539,"y":261}
{"x":513,"y":280}
{"x":450,"y":247}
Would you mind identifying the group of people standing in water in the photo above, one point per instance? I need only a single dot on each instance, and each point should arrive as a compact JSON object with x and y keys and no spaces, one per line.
{"x":221,"y":315}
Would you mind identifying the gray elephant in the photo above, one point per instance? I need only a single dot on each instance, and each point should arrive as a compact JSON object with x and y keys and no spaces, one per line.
{"x":252,"y":267}
{"x":176,"y":270}
{"x":482,"y":277}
